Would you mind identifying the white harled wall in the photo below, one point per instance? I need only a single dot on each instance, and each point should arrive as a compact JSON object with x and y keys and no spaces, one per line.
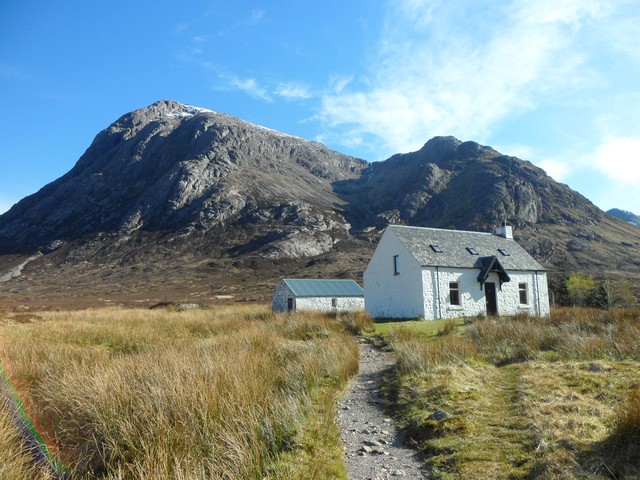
{"x":472,"y":299}
{"x":393,"y":296}
{"x":324,"y":303}
{"x":279,"y":301}
{"x":418,"y":292}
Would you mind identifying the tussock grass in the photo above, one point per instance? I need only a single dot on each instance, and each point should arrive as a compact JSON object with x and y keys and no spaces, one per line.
{"x":232,"y":393}
{"x":15,"y":461}
{"x":528,"y":397}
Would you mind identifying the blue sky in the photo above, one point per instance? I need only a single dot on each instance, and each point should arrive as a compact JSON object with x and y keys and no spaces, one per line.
{"x":555,"y":82}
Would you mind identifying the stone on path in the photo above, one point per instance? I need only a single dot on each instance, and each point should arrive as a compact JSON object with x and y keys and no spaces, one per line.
{"x":373,"y":446}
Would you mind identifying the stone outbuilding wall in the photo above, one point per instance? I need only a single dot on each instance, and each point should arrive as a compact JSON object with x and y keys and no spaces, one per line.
{"x":284,"y":299}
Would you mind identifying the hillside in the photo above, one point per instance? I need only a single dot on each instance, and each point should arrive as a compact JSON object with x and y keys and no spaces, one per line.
{"x":178,"y":202}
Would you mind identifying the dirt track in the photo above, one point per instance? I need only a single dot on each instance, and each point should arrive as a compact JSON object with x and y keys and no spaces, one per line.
{"x":373,"y":446}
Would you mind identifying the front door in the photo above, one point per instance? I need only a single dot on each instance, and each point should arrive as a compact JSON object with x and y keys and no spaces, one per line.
{"x":289,"y":304}
{"x":490,"y":296}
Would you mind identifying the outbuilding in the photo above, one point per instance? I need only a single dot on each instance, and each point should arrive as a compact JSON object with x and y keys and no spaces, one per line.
{"x":433,"y":273}
{"x":294,"y":294}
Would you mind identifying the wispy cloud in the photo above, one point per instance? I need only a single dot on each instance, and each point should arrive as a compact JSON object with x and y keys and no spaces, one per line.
{"x":254,"y":18}
{"x":337,"y":83}
{"x":250,"y":86}
{"x":438,"y":74}
{"x":293,"y":91}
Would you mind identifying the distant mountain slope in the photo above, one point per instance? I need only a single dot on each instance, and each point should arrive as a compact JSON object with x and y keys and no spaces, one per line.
{"x":178,"y":197}
{"x":177,"y":168}
{"x":625,"y":215}
{"x":464,"y":185}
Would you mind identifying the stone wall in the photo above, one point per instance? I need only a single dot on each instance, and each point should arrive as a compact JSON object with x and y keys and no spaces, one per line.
{"x":325,"y":303}
{"x":280,"y":298}
{"x":437,"y":301}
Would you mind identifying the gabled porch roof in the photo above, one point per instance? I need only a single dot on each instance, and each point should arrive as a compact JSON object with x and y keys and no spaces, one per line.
{"x":488,"y":265}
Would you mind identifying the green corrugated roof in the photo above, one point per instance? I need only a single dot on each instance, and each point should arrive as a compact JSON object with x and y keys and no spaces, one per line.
{"x":323,"y":288}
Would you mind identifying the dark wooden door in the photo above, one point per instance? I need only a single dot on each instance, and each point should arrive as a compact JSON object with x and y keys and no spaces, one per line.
{"x":490,"y":296}
{"x":289,"y":304}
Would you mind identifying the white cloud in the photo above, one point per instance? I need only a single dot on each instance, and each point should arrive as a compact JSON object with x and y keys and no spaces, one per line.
{"x":293,"y":91}
{"x":557,"y":169}
{"x":619,"y":160}
{"x":250,"y":86}
{"x":338,"y":83}
{"x":435,"y":75}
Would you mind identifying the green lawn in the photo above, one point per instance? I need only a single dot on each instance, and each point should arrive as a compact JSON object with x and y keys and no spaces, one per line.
{"x":421,"y":327}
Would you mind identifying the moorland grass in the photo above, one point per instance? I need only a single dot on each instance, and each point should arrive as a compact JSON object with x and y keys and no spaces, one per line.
{"x":528,"y":397}
{"x":235,"y":392}
{"x":15,"y":462}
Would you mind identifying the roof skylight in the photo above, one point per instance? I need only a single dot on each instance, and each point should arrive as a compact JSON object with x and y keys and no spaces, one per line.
{"x":436,"y":248}
{"x":472,"y":250}
{"x":504,"y":252}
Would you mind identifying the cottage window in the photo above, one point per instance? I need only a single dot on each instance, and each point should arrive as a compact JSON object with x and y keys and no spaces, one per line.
{"x":524,"y":300}
{"x":334,"y":303}
{"x":436,"y":248}
{"x":454,"y":293}
{"x":396,"y":264}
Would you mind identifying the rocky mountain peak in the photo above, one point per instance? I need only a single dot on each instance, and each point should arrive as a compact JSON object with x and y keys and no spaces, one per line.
{"x":171,"y":166}
{"x":175,"y":184}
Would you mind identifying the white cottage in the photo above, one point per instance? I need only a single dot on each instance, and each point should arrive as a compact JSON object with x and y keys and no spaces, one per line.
{"x":432,"y":273}
{"x":325,"y":295}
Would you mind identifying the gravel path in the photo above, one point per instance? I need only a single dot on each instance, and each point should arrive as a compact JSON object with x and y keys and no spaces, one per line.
{"x":373,"y":446}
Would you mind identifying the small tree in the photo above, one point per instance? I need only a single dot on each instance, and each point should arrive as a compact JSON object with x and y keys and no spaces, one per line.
{"x":606,"y":295}
{"x":558,"y":284}
{"x":625,"y":295}
{"x":581,"y":289}
{"x":611,"y":294}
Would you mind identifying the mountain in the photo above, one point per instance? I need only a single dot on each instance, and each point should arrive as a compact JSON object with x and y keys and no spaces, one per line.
{"x":625,"y":215}
{"x":174,"y":201}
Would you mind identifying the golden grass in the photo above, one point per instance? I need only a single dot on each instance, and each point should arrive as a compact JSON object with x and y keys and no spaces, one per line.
{"x":529,"y":397}
{"x":228,"y":393}
{"x":15,"y":462}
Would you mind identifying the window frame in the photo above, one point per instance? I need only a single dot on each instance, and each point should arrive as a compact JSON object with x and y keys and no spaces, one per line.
{"x":523,"y":290}
{"x":472,"y":250}
{"x":334,"y":303}
{"x":455,"y":298}
{"x":396,"y":264}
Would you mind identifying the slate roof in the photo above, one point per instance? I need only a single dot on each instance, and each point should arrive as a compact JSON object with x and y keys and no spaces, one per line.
{"x":324,"y":288}
{"x":454,"y":244}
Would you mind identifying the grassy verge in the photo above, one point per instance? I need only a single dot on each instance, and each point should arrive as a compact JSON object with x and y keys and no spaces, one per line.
{"x":234,"y":393}
{"x":524,"y":397}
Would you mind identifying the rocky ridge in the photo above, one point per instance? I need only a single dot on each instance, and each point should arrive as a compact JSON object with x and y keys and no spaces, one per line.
{"x":625,"y":215}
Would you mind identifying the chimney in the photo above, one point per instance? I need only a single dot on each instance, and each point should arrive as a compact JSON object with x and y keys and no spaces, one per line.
{"x":505,"y":231}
